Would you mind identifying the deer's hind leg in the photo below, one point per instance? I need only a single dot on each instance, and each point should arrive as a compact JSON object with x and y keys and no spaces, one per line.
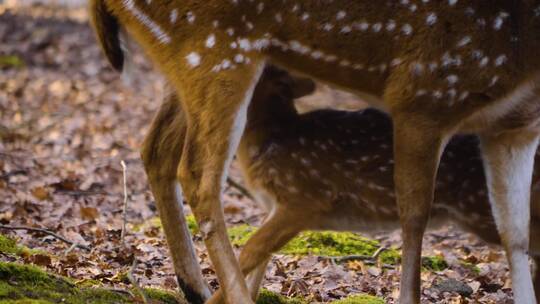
{"x":419,"y":139}
{"x":417,"y":153}
{"x":535,"y":237}
{"x":277,"y":230}
{"x":161,"y":154}
{"x":508,"y":162}
{"x":215,"y":105}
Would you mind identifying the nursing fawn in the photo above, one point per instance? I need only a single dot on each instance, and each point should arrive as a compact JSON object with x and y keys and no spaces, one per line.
{"x":332,"y":170}
{"x":438,"y":67}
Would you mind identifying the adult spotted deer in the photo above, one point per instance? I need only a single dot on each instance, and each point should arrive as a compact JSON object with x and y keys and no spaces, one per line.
{"x":438,"y":67}
{"x":332,"y":170}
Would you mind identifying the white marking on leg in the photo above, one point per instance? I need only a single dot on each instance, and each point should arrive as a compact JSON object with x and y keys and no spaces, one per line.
{"x":191,"y":270}
{"x":509,"y":174}
{"x":178,"y":193}
{"x":239,"y":124}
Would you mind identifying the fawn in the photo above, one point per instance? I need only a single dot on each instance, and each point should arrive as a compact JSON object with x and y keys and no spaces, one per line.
{"x":438,"y":67}
{"x":332,"y":170}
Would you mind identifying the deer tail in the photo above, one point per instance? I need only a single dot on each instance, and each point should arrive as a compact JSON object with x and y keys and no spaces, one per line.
{"x":107,"y":32}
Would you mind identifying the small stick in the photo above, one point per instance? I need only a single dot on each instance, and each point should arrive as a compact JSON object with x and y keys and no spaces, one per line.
{"x":122,"y":291}
{"x":347,"y":258}
{"x":134,"y":281}
{"x":70,"y":249}
{"x":378,"y":252}
{"x":48,"y":232}
{"x":124,"y":211}
{"x":239,"y":187}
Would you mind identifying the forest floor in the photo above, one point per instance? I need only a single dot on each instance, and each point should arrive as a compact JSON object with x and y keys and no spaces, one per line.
{"x":66,"y":123}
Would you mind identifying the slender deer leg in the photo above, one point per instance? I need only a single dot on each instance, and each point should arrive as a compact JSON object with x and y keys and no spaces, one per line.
{"x":215,"y":108}
{"x":536,"y":278}
{"x":417,"y":153}
{"x":255,"y":278}
{"x":161,"y":154}
{"x":274,"y":234}
{"x":534,"y":245}
{"x":508,"y":162}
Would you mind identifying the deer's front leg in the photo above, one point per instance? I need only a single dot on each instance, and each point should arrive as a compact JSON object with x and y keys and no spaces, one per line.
{"x":508,"y":162}
{"x":161,"y":154}
{"x":417,"y":151}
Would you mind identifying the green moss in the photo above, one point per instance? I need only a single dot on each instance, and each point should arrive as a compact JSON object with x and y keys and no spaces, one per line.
{"x":471,"y":267}
{"x":8,"y":61}
{"x":434,"y":263}
{"x":192,"y":224}
{"x":268,"y":297}
{"x":390,"y":256}
{"x":86,"y":283}
{"x":322,"y":243}
{"x":9,"y":246}
{"x":330,"y":244}
{"x":162,"y":296}
{"x":19,"y":282}
{"x":98,"y":296}
{"x":29,"y":284}
{"x":25,"y":301}
{"x":360,"y":299}
{"x":240,"y":234}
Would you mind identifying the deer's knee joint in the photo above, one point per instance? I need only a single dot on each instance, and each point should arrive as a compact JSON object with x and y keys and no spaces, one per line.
{"x":207,"y":228}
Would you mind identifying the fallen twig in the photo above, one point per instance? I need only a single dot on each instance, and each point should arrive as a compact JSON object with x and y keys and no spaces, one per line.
{"x":239,"y":187}
{"x":12,"y":173}
{"x":346,"y":258}
{"x":121,"y":291}
{"x":48,"y":232}
{"x":124,"y":211}
{"x":134,"y":282}
{"x":378,"y":252}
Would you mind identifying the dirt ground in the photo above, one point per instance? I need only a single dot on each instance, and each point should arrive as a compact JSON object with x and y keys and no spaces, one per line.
{"x":67,"y":121}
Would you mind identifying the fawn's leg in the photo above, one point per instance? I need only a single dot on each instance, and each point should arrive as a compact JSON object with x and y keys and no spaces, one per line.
{"x":536,"y":277}
{"x":255,"y":278}
{"x":215,"y":105}
{"x":417,"y":149}
{"x":161,"y":154}
{"x":280,"y":228}
{"x":534,"y":243}
{"x":508,"y":162}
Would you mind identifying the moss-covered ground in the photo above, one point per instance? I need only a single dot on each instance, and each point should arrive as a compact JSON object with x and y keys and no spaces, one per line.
{"x":321,"y":243}
{"x":28,"y":284}
{"x":330,"y":244}
{"x":360,"y":299}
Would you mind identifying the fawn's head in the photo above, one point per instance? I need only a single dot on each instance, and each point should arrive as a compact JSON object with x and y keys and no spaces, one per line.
{"x":275,"y":93}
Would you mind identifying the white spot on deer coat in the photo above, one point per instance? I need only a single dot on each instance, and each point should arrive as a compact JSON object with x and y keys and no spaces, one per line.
{"x":173,"y":16}
{"x":210,"y":41}
{"x":190,"y":17}
{"x":193,"y":59}
{"x":431,"y":19}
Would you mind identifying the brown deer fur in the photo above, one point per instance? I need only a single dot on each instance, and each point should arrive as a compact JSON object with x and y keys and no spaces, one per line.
{"x":438,"y":67}
{"x":332,"y":170}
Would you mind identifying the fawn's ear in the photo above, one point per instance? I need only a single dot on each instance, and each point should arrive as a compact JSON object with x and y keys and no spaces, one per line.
{"x":302,"y":86}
